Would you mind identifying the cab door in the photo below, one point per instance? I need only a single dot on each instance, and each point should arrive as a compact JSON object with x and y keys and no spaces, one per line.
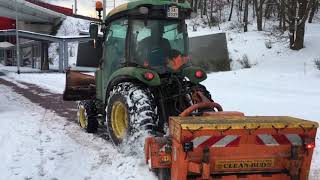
{"x":114,"y":53}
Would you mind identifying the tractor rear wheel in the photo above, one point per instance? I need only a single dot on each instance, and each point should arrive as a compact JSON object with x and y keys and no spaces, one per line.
{"x":130,"y":112}
{"x":87,"y":116}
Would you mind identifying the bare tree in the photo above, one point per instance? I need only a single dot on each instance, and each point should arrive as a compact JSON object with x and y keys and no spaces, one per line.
{"x":313,"y":10}
{"x":245,"y":15}
{"x":297,"y":12}
{"x":240,"y":4}
{"x":230,"y":15}
{"x":282,"y":16}
{"x":259,"y":12}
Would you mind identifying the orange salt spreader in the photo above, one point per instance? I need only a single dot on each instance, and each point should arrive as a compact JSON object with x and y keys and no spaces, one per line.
{"x":228,"y":146}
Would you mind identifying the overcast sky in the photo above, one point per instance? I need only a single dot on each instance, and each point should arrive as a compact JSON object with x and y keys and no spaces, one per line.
{"x":85,"y":7}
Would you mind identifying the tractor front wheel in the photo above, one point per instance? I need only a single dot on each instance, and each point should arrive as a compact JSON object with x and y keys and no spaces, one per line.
{"x":130,"y":111}
{"x":87,"y":116}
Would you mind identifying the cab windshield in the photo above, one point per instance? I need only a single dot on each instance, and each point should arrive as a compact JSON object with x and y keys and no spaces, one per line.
{"x":157,"y":44}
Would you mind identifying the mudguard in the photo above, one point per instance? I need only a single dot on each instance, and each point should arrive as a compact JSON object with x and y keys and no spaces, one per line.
{"x":189,"y":72}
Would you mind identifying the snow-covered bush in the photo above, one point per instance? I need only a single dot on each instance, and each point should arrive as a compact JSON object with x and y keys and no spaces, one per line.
{"x":317,"y":62}
{"x":245,"y":63}
{"x":268,"y":44}
{"x":235,"y":26}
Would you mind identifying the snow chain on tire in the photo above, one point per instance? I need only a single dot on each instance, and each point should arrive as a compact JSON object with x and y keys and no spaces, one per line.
{"x":140,"y":107}
{"x":89,"y":115}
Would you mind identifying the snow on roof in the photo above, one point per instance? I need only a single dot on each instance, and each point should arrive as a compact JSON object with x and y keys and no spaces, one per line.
{"x":28,"y":11}
{"x":5,"y":45}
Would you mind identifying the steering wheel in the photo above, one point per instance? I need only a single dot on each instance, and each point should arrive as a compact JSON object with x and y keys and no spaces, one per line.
{"x":210,"y":105}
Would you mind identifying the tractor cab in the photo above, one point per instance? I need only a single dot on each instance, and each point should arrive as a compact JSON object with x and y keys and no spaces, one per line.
{"x":157,"y":43}
{"x":148,"y":34}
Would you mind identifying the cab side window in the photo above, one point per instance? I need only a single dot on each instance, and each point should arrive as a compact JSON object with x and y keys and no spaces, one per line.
{"x":115,"y":43}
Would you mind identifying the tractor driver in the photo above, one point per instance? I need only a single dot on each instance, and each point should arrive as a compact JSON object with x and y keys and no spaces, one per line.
{"x":154,"y":49}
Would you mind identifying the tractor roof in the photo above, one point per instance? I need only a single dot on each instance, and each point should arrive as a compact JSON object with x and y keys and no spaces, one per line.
{"x":138,"y":3}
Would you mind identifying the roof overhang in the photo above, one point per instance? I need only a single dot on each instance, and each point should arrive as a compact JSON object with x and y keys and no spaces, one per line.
{"x":44,"y":37}
{"x":28,"y":12}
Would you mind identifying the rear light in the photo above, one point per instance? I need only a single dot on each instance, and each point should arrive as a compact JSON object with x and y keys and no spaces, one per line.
{"x":199,"y":74}
{"x":309,"y":143}
{"x":310,"y":146}
{"x":148,"y":76}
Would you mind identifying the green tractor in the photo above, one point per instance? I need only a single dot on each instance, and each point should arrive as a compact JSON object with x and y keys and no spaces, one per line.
{"x":144,"y":75}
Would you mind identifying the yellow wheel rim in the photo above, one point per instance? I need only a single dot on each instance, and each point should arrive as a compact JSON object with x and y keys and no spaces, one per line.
{"x":119,"y":119}
{"x":82,"y":117}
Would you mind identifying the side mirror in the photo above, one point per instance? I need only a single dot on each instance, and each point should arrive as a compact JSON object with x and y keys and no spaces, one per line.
{"x":93,"y":31}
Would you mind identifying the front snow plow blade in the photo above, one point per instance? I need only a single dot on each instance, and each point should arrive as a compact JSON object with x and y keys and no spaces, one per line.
{"x":79,"y":86}
{"x":222,"y":146}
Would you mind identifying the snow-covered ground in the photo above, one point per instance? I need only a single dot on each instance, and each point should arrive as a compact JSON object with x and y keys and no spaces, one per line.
{"x":42,"y":145}
{"x":281,"y":82}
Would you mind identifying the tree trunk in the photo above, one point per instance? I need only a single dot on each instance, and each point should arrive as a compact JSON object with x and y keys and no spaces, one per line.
{"x":283,"y":16}
{"x":205,"y":7}
{"x":201,"y":8}
{"x":230,"y":15}
{"x":292,"y":22}
{"x":280,"y":15}
{"x":299,"y":37}
{"x":259,"y":13}
{"x":267,"y":10}
{"x":240,"y":5}
{"x":195,"y":7}
{"x":313,"y":10}
{"x":303,"y":12}
{"x":245,"y":15}
{"x":191,"y":3}
{"x":211,"y":11}
{"x":253,"y":9}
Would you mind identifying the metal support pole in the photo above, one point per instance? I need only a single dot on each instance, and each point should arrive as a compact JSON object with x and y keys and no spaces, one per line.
{"x":17,"y":39}
{"x":65,"y":54}
{"x":41,"y":55}
{"x":75,"y":6}
{"x":5,"y":57}
{"x":32,"y":56}
{"x":104,"y":9}
{"x":61,"y":56}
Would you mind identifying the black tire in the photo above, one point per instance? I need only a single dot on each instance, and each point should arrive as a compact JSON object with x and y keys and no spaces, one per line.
{"x":141,"y":110}
{"x":90,"y":123}
{"x":164,"y":174}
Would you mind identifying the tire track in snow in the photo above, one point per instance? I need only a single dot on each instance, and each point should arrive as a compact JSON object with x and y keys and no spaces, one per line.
{"x":45,"y":99}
